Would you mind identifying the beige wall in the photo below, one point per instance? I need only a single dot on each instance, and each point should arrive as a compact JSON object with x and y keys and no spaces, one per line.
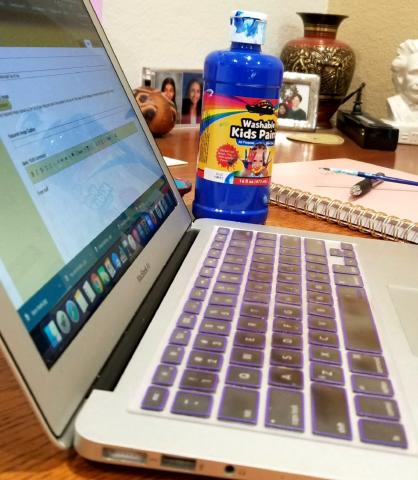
{"x":168,"y":34}
{"x":374,"y":30}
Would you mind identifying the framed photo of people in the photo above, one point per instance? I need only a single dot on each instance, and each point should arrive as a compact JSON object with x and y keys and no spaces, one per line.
{"x":183,"y":87}
{"x":298,"y":103}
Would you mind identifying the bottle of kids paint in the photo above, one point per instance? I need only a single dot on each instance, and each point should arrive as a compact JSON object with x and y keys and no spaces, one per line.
{"x":237,"y":130}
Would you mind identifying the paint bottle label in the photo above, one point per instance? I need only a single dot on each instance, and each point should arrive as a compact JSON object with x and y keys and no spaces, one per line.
{"x":237,"y":139}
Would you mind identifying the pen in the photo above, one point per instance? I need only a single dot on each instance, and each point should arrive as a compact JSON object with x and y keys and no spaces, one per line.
{"x":372,"y":176}
{"x":365,"y":185}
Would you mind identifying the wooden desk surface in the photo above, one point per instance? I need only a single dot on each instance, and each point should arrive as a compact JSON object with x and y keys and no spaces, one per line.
{"x":25,"y":452}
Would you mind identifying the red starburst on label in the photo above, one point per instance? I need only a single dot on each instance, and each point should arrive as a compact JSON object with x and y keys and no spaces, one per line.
{"x":227,"y":155}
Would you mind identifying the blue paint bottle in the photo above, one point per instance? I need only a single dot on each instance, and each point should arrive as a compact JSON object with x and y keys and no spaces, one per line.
{"x":237,"y":131}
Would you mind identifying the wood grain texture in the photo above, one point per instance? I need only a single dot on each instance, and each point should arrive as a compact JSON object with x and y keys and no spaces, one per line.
{"x":25,"y":452}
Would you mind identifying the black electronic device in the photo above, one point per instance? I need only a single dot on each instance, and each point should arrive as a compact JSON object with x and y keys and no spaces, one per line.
{"x":366,"y":131}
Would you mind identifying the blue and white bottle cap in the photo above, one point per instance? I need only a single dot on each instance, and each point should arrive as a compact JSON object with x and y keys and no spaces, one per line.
{"x":248,"y":27}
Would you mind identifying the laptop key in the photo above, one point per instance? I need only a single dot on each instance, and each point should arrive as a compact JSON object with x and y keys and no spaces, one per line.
{"x":318,"y":287}
{"x":288,"y":288}
{"x":262,"y":267}
{"x":218,"y":327}
{"x":330,"y":416}
{"x":219,"y":312}
{"x":229,"y":277}
{"x":322,"y":323}
{"x":232,"y":268}
{"x":294,"y":342}
{"x":205,"y":360}
{"x":319,"y":297}
{"x":316,"y":259}
{"x":315,"y":247}
{"x":251,"y":324}
{"x":326,"y":339}
{"x":223,"y":299}
{"x":193,"y":404}
{"x":173,"y":355}
{"x":262,"y":258}
{"x":202,"y":282}
{"x":155,"y":399}
{"x":256,"y":297}
{"x":187,"y":320}
{"x":369,"y":364}
{"x":180,"y":336}
{"x":322,"y":372}
{"x":242,"y":235}
{"x":288,"y":311}
{"x":285,"y":325}
{"x":288,"y":298}
{"x":239,"y":405}
{"x":249,"y":340}
{"x":198,"y":293}
{"x":286,"y":268}
{"x":199,"y":380}
{"x":254,"y":310}
{"x":372,"y":385}
{"x":286,"y":377}
{"x":245,"y":356}
{"x":318,"y":277}
{"x":229,"y":288}
{"x":381,"y":408}
{"x":266,"y":236}
{"x":258,"y":287}
{"x":289,"y":241}
{"x":390,"y":434}
{"x":263,"y":277}
{"x":212,"y":343}
{"x":348,"y":280}
{"x":316,"y":267}
{"x":284,"y":409}
{"x":325,"y":354}
{"x":236,"y":259}
{"x":289,"y":260}
{"x":192,"y":306}
{"x":243,"y":376}
{"x":346,"y":269}
{"x":211,"y":262}
{"x":293,"y":278}
{"x":357,"y":321}
{"x":239,"y":244}
{"x":286,"y":358}
{"x":207,"y":272}
{"x":164,"y":375}
{"x":321,"y":310}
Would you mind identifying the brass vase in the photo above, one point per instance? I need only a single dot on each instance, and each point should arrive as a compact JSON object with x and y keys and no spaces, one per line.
{"x":318,"y":51}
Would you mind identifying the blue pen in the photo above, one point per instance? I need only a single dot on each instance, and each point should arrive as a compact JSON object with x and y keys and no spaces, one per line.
{"x":371,"y":176}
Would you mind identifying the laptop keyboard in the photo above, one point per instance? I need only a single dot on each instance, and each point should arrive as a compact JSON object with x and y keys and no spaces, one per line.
{"x":277,"y":332}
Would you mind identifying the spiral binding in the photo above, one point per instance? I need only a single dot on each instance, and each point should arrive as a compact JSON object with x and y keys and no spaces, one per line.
{"x":347,"y":214}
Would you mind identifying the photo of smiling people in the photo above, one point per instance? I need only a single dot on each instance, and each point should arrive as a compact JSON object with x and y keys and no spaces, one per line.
{"x":191,"y":108}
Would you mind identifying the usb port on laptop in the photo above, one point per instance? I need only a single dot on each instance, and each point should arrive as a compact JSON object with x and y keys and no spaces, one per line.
{"x":178,"y":463}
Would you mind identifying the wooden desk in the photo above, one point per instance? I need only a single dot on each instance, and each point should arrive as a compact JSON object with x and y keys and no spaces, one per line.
{"x":25,"y":452}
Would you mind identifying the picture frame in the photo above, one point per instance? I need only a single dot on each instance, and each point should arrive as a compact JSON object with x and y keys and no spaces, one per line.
{"x":188,"y":110}
{"x":301,"y":113}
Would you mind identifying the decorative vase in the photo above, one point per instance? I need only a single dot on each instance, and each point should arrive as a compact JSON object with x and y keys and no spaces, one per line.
{"x":318,"y":51}
{"x":159,"y":112}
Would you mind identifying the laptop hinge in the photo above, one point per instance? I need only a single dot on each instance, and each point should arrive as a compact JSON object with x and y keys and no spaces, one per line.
{"x":122,"y":353}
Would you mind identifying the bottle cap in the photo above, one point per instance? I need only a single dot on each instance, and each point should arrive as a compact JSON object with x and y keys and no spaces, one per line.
{"x":248,"y":27}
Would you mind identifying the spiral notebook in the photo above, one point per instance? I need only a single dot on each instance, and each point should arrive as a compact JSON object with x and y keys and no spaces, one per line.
{"x":389,"y":210}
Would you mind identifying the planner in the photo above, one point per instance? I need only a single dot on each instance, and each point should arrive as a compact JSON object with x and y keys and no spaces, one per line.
{"x":388,"y":211}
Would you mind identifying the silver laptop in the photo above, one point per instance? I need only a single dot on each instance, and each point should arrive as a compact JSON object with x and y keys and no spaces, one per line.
{"x":144,"y":339}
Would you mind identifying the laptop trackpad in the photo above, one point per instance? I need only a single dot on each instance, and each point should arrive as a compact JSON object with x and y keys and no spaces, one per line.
{"x":405,"y":300}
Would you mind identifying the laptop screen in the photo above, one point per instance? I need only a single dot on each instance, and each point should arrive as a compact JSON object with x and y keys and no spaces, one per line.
{"x":81,"y":192}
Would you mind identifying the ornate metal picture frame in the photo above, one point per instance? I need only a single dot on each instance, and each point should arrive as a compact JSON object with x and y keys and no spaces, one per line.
{"x":182,"y":82}
{"x":298,"y":104}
